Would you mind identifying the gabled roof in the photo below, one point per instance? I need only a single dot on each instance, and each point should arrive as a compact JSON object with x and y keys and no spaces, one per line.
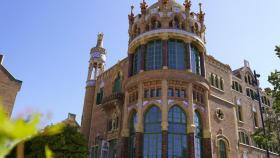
{"x":11,"y":77}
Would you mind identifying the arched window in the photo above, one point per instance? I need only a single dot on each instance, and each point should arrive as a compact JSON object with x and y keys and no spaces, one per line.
{"x":117,"y":84}
{"x":195,"y":59}
{"x":222,"y":149}
{"x":176,"y":55}
{"x":177,"y":137}
{"x":153,"y":55}
{"x":136,"y":61}
{"x":131,"y":141}
{"x":152,"y":133}
{"x":176,"y":22}
{"x":198,"y":136}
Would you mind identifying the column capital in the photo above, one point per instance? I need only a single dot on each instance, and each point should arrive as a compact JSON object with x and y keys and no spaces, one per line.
{"x":125,"y":132}
{"x":164,"y":126}
{"x":191,"y":128}
{"x":207,"y":134}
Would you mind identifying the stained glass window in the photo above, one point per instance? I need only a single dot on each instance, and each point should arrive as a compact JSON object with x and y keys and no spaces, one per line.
{"x":177,"y":137}
{"x":198,"y":136}
{"x":152,"y":134}
{"x":137,"y":61}
{"x":131,"y":141}
{"x":195,"y":60}
{"x":176,"y":55}
{"x":153,"y":55}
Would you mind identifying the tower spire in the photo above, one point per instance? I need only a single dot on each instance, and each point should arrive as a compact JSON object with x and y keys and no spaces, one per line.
{"x":100,"y":40}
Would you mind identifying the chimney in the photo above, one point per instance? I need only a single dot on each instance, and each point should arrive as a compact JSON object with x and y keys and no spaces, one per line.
{"x":246,"y":64}
{"x":1,"y":58}
{"x":71,"y":116}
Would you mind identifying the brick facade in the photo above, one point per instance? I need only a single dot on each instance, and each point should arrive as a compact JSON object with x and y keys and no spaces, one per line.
{"x":9,"y":87}
{"x":208,"y":93}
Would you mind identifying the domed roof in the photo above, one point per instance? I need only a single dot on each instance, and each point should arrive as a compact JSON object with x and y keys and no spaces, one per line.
{"x":166,"y":14}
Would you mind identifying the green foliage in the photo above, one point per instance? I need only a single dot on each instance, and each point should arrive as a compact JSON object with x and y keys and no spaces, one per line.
{"x":70,"y":143}
{"x":14,"y":131}
{"x":277,"y":50}
{"x":272,"y":116}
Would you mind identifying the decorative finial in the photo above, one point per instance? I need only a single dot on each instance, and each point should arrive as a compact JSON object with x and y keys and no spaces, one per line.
{"x":143,"y":7}
{"x":201,"y":14}
{"x":187,"y":5}
{"x":200,"y":6}
{"x":100,"y":40}
{"x":131,"y":12}
{"x":164,"y":2}
{"x":131,"y":16}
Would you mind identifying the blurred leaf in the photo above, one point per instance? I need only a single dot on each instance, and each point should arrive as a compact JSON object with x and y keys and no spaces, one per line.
{"x":49,"y":153}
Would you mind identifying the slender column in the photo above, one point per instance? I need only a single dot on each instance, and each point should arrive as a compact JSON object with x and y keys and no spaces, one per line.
{"x":165,"y":53}
{"x":130,"y":64}
{"x":139,"y":128}
{"x":188,"y":56}
{"x":123,"y":148}
{"x":207,"y":145}
{"x":125,"y":130}
{"x":143,"y":49}
{"x":190,"y":122}
{"x":207,"y":127}
{"x":202,"y":61}
{"x":164,"y":123}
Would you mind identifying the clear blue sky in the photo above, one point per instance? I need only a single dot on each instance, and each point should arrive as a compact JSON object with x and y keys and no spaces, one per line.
{"x":46,"y":43}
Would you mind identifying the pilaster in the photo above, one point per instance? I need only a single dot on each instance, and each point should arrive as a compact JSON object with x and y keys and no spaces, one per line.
{"x":125,"y":130}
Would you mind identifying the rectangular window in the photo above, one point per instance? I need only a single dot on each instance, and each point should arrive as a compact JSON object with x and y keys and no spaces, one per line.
{"x":170,"y":92}
{"x":177,"y":92}
{"x":158,"y":93}
{"x":146,"y":93}
{"x":255,"y":119}
{"x":152,"y":93}
{"x":183,"y":93}
{"x":239,"y":113}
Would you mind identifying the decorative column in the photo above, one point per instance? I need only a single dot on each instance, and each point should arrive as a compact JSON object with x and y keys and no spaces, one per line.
{"x":125,"y":130}
{"x":164,"y":123}
{"x":207,"y":145}
{"x":139,"y":128}
{"x":165,"y":52}
{"x":202,"y":61}
{"x":130,"y":64}
{"x":188,"y":56}
{"x":190,"y":123}
{"x":143,"y":49}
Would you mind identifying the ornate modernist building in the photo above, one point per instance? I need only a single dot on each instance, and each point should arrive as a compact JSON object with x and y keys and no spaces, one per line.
{"x":168,"y":98}
{"x":9,"y":87}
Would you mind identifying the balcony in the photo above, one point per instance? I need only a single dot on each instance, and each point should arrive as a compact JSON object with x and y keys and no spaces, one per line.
{"x":115,"y":99}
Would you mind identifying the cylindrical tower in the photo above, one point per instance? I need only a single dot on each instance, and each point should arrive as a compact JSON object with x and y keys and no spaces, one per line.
{"x":96,"y":67}
{"x":167,"y":66}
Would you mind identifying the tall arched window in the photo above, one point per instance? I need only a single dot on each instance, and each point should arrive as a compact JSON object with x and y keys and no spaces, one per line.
{"x":131,"y":140}
{"x":152,"y":133}
{"x":222,"y":149}
{"x":177,"y":137}
{"x":176,"y":55}
{"x":117,"y":84}
{"x":198,"y":135}
{"x":153,"y":55}
{"x":195,"y":59}
{"x":136,"y":61}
